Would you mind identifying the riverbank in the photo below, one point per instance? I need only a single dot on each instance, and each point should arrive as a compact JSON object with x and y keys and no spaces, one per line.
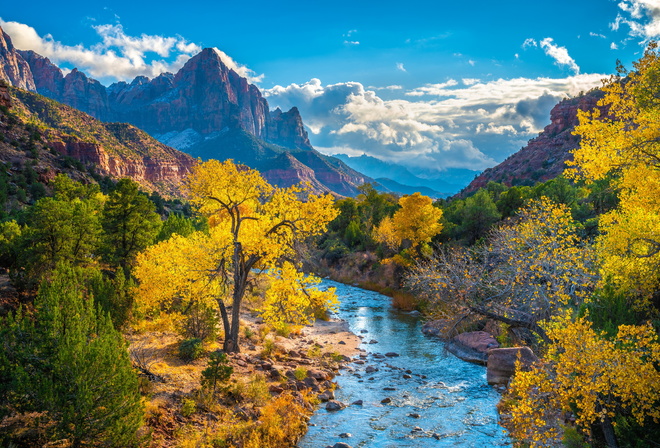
{"x":274,"y":375}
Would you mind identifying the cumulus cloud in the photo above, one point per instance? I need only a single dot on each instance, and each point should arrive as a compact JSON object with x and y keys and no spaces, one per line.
{"x":642,"y":17}
{"x":117,"y":55}
{"x":471,"y":124}
{"x":559,"y":54}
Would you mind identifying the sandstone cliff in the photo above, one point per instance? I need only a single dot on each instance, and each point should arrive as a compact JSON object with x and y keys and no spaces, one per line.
{"x":13,"y":68}
{"x":113,"y":149}
{"x":544,"y":157}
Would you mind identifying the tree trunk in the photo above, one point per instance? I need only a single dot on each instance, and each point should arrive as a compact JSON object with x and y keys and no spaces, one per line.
{"x":608,"y":433}
{"x":533,"y":326}
{"x":241,"y":272}
{"x":225,"y":321}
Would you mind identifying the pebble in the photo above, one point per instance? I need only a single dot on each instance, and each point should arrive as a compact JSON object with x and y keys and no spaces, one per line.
{"x":345,"y":435}
{"x":333,"y":405}
{"x":357,"y":403}
{"x":391,"y":354}
{"x":406,"y":377}
{"x":386,"y":400}
{"x":414,"y":415}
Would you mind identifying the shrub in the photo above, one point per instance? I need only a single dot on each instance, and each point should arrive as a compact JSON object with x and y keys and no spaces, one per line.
{"x":188,"y":407}
{"x":218,"y":370}
{"x":190,"y":349}
{"x":300,"y":373}
{"x":201,"y":322}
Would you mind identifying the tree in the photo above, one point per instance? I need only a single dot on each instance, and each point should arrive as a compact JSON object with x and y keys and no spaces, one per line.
{"x":72,"y":365}
{"x":526,"y":273}
{"x":130,"y":223}
{"x":417,"y":221}
{"x":64,"y":228}
{"x":595,"y":377}
{"x":253,"y":228}
{"x":622,"y":139}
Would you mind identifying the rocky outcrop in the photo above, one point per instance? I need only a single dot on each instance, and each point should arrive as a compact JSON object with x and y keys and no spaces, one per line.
{"x":13,"y":68}
{"x":501,"y":364}
{"x":286,"y":129}
{"x":5,"y":98}
{"x":544,"y":157}
{"x":472,"y":346}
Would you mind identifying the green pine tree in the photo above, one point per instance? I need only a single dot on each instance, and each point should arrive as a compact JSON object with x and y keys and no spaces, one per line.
{"x":69,"y":363}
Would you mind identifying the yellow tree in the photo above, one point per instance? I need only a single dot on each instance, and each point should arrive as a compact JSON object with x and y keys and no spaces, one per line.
{"x":624,"y":142}
{"x":526,"y":273}
{"x":254,"y":227}
{"x":586,"y":373}
{"x":417,"y":221}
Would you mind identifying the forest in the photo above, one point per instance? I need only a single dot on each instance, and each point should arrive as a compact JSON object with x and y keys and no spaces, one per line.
{"x":569,"y":267}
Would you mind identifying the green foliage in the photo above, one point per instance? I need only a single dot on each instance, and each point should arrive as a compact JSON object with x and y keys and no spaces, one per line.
{"x":217,"y":371}
{"x":130,"y":224}
{"x":300,"y":373}
{"x":191,"y":349}
{"x":176,"y":223}
{"x":188,"y":407}
{"x":113,"y":292}
{"x":610,"y":308}
{"x":201,"y":322}
{"x":70,"y":363}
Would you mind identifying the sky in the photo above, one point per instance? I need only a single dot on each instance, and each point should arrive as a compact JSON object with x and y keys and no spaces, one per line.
{"x":427,"y":84}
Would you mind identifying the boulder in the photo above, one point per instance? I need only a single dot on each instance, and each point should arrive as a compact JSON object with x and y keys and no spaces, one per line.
{"x":472,"y":346}
{"x":333,"y":405}
{"x":502,"y":363}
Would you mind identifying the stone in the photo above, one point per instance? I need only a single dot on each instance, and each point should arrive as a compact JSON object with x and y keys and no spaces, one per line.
{"x":345,"y":435}
{"x":386,"y":400}
{"x":501,"y":363}
{"x":318,"y":375}
{"x":357,"y":403}
{"x":414,"y":415}
{"x":406,"y":376}
{"x":326,"y":396}
{"x":333,"y":406}
{"x":472,"y":346}
{"x":391,"y":354}
{"x":341,"y":445}
{"x":371,"y":369}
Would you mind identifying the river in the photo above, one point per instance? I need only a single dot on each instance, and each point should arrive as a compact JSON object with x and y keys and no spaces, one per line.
{"x":437,"y":400}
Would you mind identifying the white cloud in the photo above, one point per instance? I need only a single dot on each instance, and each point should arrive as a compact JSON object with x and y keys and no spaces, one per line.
{"x":399,"y":66}
{"x":442,"y":125}
{"x":392,"y":87}
{"x":642,"y":18}
{"x":117,"y":56}
{"x":238,"y":68}
{"x":470,"y":81}
{"x":352,"y":42}
{"x":559,"y":54}
{"x":602,"y":36}
{"x":529,"y":42}
{"x":614,"y":46}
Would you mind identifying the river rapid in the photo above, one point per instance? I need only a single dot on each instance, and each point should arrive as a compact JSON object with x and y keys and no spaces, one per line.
{"x":437,"y":400}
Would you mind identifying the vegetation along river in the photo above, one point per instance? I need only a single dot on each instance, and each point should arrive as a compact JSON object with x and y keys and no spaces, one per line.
{"x":437,"y":399}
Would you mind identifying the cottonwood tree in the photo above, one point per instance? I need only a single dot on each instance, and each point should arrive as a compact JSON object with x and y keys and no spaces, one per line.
{"x":526,"y":273}
{"x":417,"y":221}
{"x":597,"y":378}
{"x":254,"y":227}
{"x":624,"y":142}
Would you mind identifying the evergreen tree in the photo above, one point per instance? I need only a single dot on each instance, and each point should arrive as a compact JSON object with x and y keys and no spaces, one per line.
{"x":70,"y":364}
{"x":130,"y":223}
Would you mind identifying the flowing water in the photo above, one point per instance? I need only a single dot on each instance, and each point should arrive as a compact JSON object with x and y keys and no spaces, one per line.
{"x":445,"y":402}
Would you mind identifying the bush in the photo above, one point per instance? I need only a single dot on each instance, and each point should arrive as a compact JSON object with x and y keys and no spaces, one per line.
{"x":188,"y":407}
{"x":201,"y":322}
{"x":218,"y":370}
{"x":190,"y":349}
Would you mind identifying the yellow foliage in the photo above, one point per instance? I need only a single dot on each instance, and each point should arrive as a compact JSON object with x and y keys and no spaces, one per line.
{"x":625,"y":143}
{"x":253,"y":228}
{"x":293,"y":299}
{"x":416,"y":221}
{"x":586,"y":372}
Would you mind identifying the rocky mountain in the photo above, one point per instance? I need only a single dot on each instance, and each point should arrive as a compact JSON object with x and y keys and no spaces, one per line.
{"x":206,"y":109}
{"x":52,"y":137}
{"x":544,"y":157}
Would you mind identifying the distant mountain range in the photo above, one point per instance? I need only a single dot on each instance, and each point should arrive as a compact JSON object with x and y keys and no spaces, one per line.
{"x":397,"y":178}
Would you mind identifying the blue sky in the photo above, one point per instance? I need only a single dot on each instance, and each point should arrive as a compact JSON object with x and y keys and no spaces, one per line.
{"x":428,"y":84}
